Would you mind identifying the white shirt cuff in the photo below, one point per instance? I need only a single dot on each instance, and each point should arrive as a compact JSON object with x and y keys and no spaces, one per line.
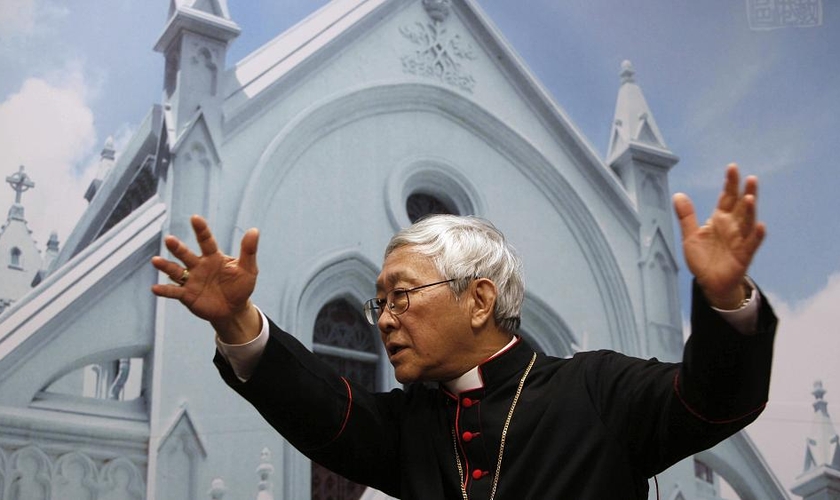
{"x":744,"y":319}
{"x":243,"y":358}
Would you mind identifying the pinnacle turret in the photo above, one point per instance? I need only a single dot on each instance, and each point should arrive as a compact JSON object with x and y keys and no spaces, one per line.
{"x":633,"y":121}
{"x":822,"y":444}
{"x":820,"y":478}
{"x":106,"y":162}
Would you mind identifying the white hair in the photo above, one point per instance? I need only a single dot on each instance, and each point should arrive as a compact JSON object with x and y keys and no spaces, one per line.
{"x":466,"y":247}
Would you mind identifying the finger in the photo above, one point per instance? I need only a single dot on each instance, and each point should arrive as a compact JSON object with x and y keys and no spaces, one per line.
{"x":730,"y":194}
{"x":746,"y":209}
{"x":173,"y":270}
{"x":168,"y":291}
{"x":180,"y":251}
{"x":748,"y":214}
{"x":754,"y":240}
{"x":248,"y":250}
{"x":751,"y":186}
{"x":687,"y":217}
{"x":165,"y":266}
{"x":203,"y":235}
{"x":161,"y":264}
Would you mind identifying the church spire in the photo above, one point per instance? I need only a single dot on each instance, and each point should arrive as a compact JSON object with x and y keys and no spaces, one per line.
{"x":106,"y":162}
{"x":194,"y":43}
{"x":213,"y":7}
{"x":633,"y":122}
{"x":638,"y":156}
{"x":264,"y":471}
{"x":822,"y":447}
{"x":20,"y":258}
{"x":820,"y":478}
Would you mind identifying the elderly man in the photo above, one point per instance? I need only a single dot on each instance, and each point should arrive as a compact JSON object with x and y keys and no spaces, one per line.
{"x":503,"y":421}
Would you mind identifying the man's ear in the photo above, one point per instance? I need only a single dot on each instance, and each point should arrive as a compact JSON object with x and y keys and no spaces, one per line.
{"x":483,"y":302}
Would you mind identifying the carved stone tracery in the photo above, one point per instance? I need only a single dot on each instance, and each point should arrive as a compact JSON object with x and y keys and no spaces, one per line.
{"x":75,"y":477}
{"x":34,"y":473}
{"x":440,"y":54}
{"x":205,"y":58}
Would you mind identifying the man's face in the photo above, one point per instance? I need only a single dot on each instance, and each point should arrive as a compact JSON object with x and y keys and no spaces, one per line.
{"x":428,"y":341}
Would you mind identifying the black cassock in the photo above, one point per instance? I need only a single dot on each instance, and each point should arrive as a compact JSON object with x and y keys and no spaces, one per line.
{"x":592,"y":427}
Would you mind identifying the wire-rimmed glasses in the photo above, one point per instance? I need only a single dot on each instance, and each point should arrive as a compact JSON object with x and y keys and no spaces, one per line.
{"x":396,"y":301}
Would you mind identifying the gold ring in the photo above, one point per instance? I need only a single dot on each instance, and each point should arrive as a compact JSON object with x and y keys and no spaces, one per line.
{"x":184,"y":277}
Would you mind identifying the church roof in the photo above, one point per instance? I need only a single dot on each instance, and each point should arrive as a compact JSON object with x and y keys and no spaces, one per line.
{"x":251,"y":84}
{"x":47,"y":312}
{"x":276,"y":59}
{"x":122,"y":189}
{"x":254,"y":82}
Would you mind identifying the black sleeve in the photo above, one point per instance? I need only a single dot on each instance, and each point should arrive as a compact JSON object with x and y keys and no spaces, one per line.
{"x":725,"y":375}
{"x":664,"y":412}
{"x":325,"y":416}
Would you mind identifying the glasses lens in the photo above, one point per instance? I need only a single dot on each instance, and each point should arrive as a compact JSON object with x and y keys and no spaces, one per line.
{"x":398,"y":301}
{"x":372,"y":311}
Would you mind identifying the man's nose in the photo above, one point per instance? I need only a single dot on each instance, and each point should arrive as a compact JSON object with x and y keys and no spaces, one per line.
{"x":387,"y":321}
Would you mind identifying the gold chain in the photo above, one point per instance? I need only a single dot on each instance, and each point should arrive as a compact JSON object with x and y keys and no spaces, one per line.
{"x":501,"y":443}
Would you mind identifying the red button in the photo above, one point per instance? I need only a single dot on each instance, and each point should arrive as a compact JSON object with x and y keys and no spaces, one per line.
{"x":478,"y":474}
{"x":467,"y":402}
{"x":467,"y":436}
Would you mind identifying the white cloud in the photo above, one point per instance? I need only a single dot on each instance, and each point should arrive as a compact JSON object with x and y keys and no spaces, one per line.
{"x":17,"y":16}
{"x":22,"y":18}
{"x":807,"y":348}
{"x":49,"y":128}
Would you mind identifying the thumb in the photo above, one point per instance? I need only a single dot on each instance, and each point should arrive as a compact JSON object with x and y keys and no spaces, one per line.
{"x":687,"y":217}
{"x":248,"y":250}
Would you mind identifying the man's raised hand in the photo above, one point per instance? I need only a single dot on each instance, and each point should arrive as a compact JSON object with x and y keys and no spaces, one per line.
{"x":218,"y":287}
{"x":719,"y":252}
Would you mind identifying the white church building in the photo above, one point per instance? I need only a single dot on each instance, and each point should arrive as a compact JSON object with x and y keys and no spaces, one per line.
{"x":331,"y":137}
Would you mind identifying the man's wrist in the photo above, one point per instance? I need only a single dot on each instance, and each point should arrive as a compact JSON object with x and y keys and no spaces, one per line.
{"x":745,"y":318}
{"x":244,"y":358}
{"x":736,"y":299}
{"x":241,"y":328}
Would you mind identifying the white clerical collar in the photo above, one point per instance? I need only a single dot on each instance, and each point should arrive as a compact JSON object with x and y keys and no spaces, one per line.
{"x":472,"y":379}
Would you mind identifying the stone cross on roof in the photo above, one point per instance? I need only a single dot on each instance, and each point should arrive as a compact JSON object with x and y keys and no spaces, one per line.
{"x":20,"y":182}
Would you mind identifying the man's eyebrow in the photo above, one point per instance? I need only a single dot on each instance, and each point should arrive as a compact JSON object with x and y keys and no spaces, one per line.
{"x":392,"y":280}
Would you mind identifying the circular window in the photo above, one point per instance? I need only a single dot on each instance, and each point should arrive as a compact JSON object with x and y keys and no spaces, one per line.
{"x":423,"y":186}
{"x":419,"y":205}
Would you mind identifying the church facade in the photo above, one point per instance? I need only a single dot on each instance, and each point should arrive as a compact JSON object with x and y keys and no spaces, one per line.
{"x":349,"y":126}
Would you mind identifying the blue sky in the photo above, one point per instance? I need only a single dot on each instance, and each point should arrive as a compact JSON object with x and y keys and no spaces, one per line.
{"x":73,"y":73}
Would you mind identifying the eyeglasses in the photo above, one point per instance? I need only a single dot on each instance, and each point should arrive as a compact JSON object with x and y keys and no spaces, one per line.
{"x":396,"y":301}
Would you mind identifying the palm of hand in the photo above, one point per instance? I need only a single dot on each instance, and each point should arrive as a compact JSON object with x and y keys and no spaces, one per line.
{"x":717,"y":254}
{"x":218,"y":287}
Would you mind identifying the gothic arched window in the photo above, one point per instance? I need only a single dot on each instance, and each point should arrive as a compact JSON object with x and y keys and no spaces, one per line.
{"x":344,"y":339}
{"x":16,"y":258}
